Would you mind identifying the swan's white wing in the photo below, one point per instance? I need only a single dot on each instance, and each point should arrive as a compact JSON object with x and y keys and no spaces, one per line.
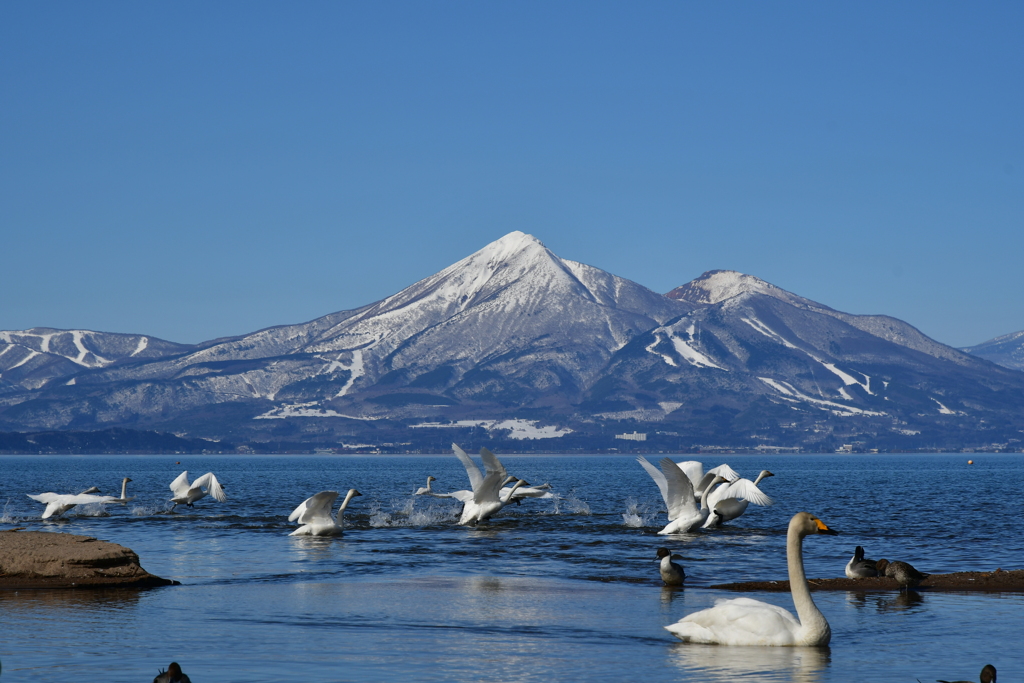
{"x":56,"y":502}
{"x":694,"y":471}
{"x":180,"y":486}
{"x":744,"y":489}
{"x":492,"y":481}
{"x":657,"y":476}
{"x":213,"y":486}
{"x":680,"y":499}
{"x":475,"y":477}
{"x":719,"y":493}
{"x":729,"y":473}
{"x":316,"y":508}
{"x":463,"y":496}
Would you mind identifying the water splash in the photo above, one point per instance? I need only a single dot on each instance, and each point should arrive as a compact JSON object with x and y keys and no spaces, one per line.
{"x":404,"y":513}
{"x":572,"y":503}
{"x":6,"y":517}
{"x":638,"y":514}
{"x":148,"y":510}
{"x":91,"y":510}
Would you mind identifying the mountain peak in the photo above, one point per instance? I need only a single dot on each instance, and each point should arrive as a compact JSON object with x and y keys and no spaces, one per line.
{"x":718,"y":285}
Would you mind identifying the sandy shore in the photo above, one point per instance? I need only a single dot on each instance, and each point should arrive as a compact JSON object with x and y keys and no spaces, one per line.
{"x":37,"y":559}
{"x":994,"y":581}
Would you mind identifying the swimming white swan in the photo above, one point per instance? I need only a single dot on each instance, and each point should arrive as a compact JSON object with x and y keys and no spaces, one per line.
{"x":425,"y":490}
{"x":314,"y":514}
{"x":187,"y":494}
{"x":743,"y":621}
{"x":684,"y":514}
{"x":124,"y":499}
{"x":671,"y":573}
{"x":859,"y":568}
{"x":59,"y":503}
{"x":485,"y":500}
{"x":729,"y":501}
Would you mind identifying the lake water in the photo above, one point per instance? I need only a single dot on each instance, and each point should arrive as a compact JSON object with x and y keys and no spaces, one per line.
{"x":552,"y":590}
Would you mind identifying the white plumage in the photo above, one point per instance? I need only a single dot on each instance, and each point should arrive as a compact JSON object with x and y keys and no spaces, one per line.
{"x":187,"y":494}
{"x":314,"y":514}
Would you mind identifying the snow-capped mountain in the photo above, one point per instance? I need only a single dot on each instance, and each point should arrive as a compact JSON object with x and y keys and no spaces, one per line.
{"x":518,"y":341}
{"x":1006,"y":350}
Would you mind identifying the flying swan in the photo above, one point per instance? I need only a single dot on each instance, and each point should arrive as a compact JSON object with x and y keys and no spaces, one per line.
{"x":486,"y":499}
{"x":59,"y":503}
{"x":683,"y":512}
{"x":744,"y":621}
{"x":314,"y":514}
{"x":729,"y":501}
{"x":187,"y":494}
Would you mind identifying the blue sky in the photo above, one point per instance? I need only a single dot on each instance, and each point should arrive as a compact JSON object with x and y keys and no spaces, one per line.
{"x":196,"y":170}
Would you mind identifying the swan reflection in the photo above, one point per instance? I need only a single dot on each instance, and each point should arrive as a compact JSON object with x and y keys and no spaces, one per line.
{"x":731,"y":663}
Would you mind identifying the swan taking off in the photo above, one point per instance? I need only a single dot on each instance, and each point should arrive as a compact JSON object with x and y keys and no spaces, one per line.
{"x":314,"y":514}
{"x":729,"y":501}
{"x":676,"y":490}
{"x":486,"y":498}
{"x":59,"y":503}
{"x":743,"y":621}
{"x":187,"y":494}
{"x":700,"y":480}
{"x":124,"y":499}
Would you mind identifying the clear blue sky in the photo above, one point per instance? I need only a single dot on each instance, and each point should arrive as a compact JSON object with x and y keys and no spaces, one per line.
{"x":192,"y":170}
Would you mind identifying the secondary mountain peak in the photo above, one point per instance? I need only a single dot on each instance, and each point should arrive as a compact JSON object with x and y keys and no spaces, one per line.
{"x":715,"y":286}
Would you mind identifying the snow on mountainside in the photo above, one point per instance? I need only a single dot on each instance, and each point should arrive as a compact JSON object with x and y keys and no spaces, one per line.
{"x":31,"y":358}
{"x":1006,"y":350}
{"x":513,"y":335}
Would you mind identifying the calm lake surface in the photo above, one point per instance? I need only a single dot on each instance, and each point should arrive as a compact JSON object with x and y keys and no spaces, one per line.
{"x":551,"y":590}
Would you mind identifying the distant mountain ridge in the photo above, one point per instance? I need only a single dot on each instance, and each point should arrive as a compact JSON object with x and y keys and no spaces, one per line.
{"x":514,"y":335}
{"x":1006,"y":350}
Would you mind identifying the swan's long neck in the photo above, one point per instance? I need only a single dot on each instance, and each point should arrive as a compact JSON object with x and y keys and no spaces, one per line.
{"x":429,"y":480}
{"x":759,"y":478}
{"x":815,"y":628}
{"x":509,"y":496}
{"x":124,"y":489}
{"x":707,"y":491}
{"x":344,"y":504}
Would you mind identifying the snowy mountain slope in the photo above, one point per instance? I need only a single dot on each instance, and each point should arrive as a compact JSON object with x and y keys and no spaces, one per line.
{"x":512,"y":314}
{"x":1006,"y":350}
{"x":32,"y":358}
{"x":512,"y":334}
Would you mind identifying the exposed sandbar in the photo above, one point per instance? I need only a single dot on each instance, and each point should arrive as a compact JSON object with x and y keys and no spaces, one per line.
{"x":995,"y":581}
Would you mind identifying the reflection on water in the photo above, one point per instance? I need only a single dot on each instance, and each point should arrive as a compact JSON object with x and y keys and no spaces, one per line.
{"x":555,"y":589}
{"x":725,"y":663}
{"x":886,"y":602}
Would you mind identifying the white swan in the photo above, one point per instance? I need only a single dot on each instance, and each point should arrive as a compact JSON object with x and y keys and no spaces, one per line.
{"x":314,"y":514}
{"x":526,"y":491}
{"x":695,"y":473}
{"x":743,"y":621}
{"x":59,"y":503}
{"x":124,"y":499}
{"x":425,"y":490}
{"x":187,"y":494}
{"x":485,"y":499}
{"x":859,"y":568}
{"x":729,"y":501}
{"x":684,"y":514}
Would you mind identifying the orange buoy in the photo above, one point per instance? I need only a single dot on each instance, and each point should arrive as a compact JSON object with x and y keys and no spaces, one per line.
{"x":970,"y":462}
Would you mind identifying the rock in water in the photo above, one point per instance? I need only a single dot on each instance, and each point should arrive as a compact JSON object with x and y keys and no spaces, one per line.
{"x":38,"y":559}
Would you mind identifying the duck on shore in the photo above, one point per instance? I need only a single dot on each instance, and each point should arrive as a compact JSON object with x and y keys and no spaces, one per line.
{"x":860,"y":568}
{"x":905,"y":574}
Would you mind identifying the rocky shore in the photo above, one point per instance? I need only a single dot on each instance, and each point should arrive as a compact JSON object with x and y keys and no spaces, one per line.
{"x":995,"y":581}
{"x":38,"y":559}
